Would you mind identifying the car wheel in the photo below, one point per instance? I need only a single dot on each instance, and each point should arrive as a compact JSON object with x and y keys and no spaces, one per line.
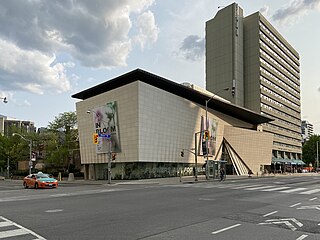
{"x":25,"y":185}
{"x":36,"y":185}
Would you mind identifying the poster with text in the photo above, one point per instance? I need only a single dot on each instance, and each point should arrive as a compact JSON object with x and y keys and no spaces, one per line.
{"x":105,"y":119}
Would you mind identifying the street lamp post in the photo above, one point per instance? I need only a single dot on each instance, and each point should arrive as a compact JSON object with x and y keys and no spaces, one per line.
{"x":206,"y":123}
{"x":317,"y":156}
{"x":195,"y":156}
{"x":30,"y":149}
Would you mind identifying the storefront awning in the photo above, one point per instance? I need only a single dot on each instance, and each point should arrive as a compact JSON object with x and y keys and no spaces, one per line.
{"x":287,"y":161}
{"x":299,"y":162}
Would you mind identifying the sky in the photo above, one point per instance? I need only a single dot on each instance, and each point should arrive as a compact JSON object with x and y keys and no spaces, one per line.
{"x":50,"y":50}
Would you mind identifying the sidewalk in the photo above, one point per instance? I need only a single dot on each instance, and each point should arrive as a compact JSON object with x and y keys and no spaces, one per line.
{"x":171,"y":180}
{"x":182,"y":180}
{"x":161,"y":181}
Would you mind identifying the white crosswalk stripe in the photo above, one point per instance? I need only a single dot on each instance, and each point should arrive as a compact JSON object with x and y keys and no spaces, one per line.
{"x":227,"y":186}
{"x":18,"y":231}
{"x":274,"y":189}
{"x":293,"y":190}
{"x":255,"y":187}
{"x":5,"y":224}
{"x":260,"y":187}
{"x":246,"y":186}
{"x":311,"y":191}
{"x":13,"y":233}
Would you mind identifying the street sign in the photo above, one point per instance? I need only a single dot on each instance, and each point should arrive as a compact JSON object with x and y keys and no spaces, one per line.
{"x":33,"y":156}
{"x":104,"y":135}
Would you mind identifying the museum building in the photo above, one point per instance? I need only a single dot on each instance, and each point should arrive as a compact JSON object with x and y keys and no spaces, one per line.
{"x":154,"y":127}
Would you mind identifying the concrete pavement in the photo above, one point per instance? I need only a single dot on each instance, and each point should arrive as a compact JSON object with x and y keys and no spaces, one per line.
{"x":183,"y":179}
{"x":167,"y":181}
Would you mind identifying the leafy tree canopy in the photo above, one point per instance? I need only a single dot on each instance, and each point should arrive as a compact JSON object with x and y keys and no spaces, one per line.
{"x":64,"y":122}
{"x":309,"y":149}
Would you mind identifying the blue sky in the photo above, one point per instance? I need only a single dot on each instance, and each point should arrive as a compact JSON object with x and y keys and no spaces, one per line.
{"x":53,"y":49}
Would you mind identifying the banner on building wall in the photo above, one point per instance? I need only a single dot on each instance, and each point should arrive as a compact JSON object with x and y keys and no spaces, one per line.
{"x":211,"y":126}
{"x":106,"y":125}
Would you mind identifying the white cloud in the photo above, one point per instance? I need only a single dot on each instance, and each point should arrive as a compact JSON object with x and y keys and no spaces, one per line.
{"x":295,"y":10}
{"x":26,"y":103}
{"x":30,"y":71}
{"x":91,"y":79}
{"x":192,"y":48}
{"x":264,"y":10}
{"x":95,"y":33}
{"x":148,"y":31}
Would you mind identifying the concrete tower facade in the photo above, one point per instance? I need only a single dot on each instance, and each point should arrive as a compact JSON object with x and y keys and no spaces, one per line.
{"x":248,"y":55}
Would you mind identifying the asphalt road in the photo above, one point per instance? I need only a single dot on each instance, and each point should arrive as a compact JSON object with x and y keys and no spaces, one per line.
{"x":259,"y":208}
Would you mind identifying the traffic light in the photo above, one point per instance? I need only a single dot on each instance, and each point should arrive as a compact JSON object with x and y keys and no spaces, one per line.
{"x":204,"y":148}
{"x":95,"y":138}
{"x":182,"y":154}
{"x":206,"y":135}
{"x":113,"y":156}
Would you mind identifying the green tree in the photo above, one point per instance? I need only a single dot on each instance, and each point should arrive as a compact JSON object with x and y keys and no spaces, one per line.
{"x":13,"y":148}
{"x":64,"y":122}
{"x":62,"y":138}
{"x":3,"y":151}
{"x":309,"y":149}
{"x":56,"y":143}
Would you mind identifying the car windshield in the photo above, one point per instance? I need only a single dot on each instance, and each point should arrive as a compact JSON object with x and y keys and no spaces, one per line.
{"x":42,"y":175}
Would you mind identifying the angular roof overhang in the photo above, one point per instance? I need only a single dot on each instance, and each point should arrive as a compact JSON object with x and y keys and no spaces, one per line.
{"x":177,"y":89}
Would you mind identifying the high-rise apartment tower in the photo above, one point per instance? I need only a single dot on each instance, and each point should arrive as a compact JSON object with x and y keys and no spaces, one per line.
{"x":306,"y":130}
{"x":248,"y":55}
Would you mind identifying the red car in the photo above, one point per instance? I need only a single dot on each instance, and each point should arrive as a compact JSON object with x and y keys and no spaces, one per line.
{"x":39,"y":180}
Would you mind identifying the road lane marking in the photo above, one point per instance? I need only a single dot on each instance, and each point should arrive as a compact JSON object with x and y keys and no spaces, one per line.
{"x":259,"y":188}
{"x":310,"y":207}
{"x":293,"y":190}
{"x":268,"y":214}
{"x":274,"y":189}
{"x":228,"y":185}
{"x":207,"y":199}
{"x":312,"y":199}
{"x":54,"y":210}
{"x":246,"y":186}
{"x":285,"y":221}
{"x":59,"y":195}
{"x":13,"y":233}
{"x":311,"y":191}
{"x":5,"y":224}
{"x":227,"y":228}
{"x":302,"y":237}
{"x":17,"y":232}
{"x":294,"y":205}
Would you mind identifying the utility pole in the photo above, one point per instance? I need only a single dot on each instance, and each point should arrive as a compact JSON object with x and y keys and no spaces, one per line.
{"x":195,"y":157}
{"x":317,"y":156}
{"x":8,"y":167}
{"x":196,"y":154}
{"x":30,"y":149}
{"x":206,"y":122}
{"x":109,"y":162}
